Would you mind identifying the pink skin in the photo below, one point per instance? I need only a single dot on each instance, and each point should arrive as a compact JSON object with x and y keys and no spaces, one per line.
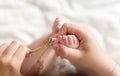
{"x":70,"y":41}
{"x":57,"y":25}
{"x":49,"y":56}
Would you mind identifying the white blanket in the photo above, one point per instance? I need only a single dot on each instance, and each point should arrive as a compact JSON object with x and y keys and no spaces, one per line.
{"x":27,"y":20}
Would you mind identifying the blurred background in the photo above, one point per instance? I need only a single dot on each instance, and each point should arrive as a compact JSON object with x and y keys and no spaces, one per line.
{"x":27,"y":20}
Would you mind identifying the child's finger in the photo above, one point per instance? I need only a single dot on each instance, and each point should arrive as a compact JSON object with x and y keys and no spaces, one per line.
{"x":60,"y":38}
{"x":70,"y":39}
{"x":59,"y":22}
{"x":75,"y":40}
{"x":65,"y":40}
{"x":57,"y":25}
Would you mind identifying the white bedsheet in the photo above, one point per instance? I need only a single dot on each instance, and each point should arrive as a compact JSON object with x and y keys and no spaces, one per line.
{"x":27,"y":20}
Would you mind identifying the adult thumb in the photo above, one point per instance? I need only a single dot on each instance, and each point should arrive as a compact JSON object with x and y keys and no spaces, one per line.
{"x":68,"y":53}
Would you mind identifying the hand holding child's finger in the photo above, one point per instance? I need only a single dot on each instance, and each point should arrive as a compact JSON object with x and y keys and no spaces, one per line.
{"x":65,"y":52}
{"x":89,"y":54}
{"x":68,"y":29}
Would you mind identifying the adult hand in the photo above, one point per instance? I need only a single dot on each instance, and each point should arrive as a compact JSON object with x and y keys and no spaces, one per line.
{"x":11,"y":58}
{"x":89,"y":57}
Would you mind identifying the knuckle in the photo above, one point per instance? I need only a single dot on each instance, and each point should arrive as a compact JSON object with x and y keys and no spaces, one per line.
{"x":4,"y":61}
{"x":11,"y":65}
{"x":8,"y":64}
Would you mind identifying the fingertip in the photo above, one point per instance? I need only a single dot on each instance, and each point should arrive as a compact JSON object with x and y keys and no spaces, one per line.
{"x":54,"y":40}
{"x":69,"y":38}
{"x":74,"y":38}
{"x":60,"y":37}
{"x":28,"y":53}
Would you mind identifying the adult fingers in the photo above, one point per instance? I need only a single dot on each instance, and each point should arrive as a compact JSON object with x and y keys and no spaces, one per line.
{"x":66,"y":52}
{"x":11,"y":49}
{"x":19,"y":56}
{"x":2,"y":48}
{"x":68,"y":28}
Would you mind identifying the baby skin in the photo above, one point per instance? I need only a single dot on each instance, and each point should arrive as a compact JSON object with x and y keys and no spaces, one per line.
{"x":49,"y":56}
{"x":70,"y":41}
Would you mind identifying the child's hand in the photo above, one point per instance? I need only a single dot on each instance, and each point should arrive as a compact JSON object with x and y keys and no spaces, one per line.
{"x":89,"y":57}
{"x":70,"y":41}
{"x":11,"y":58}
